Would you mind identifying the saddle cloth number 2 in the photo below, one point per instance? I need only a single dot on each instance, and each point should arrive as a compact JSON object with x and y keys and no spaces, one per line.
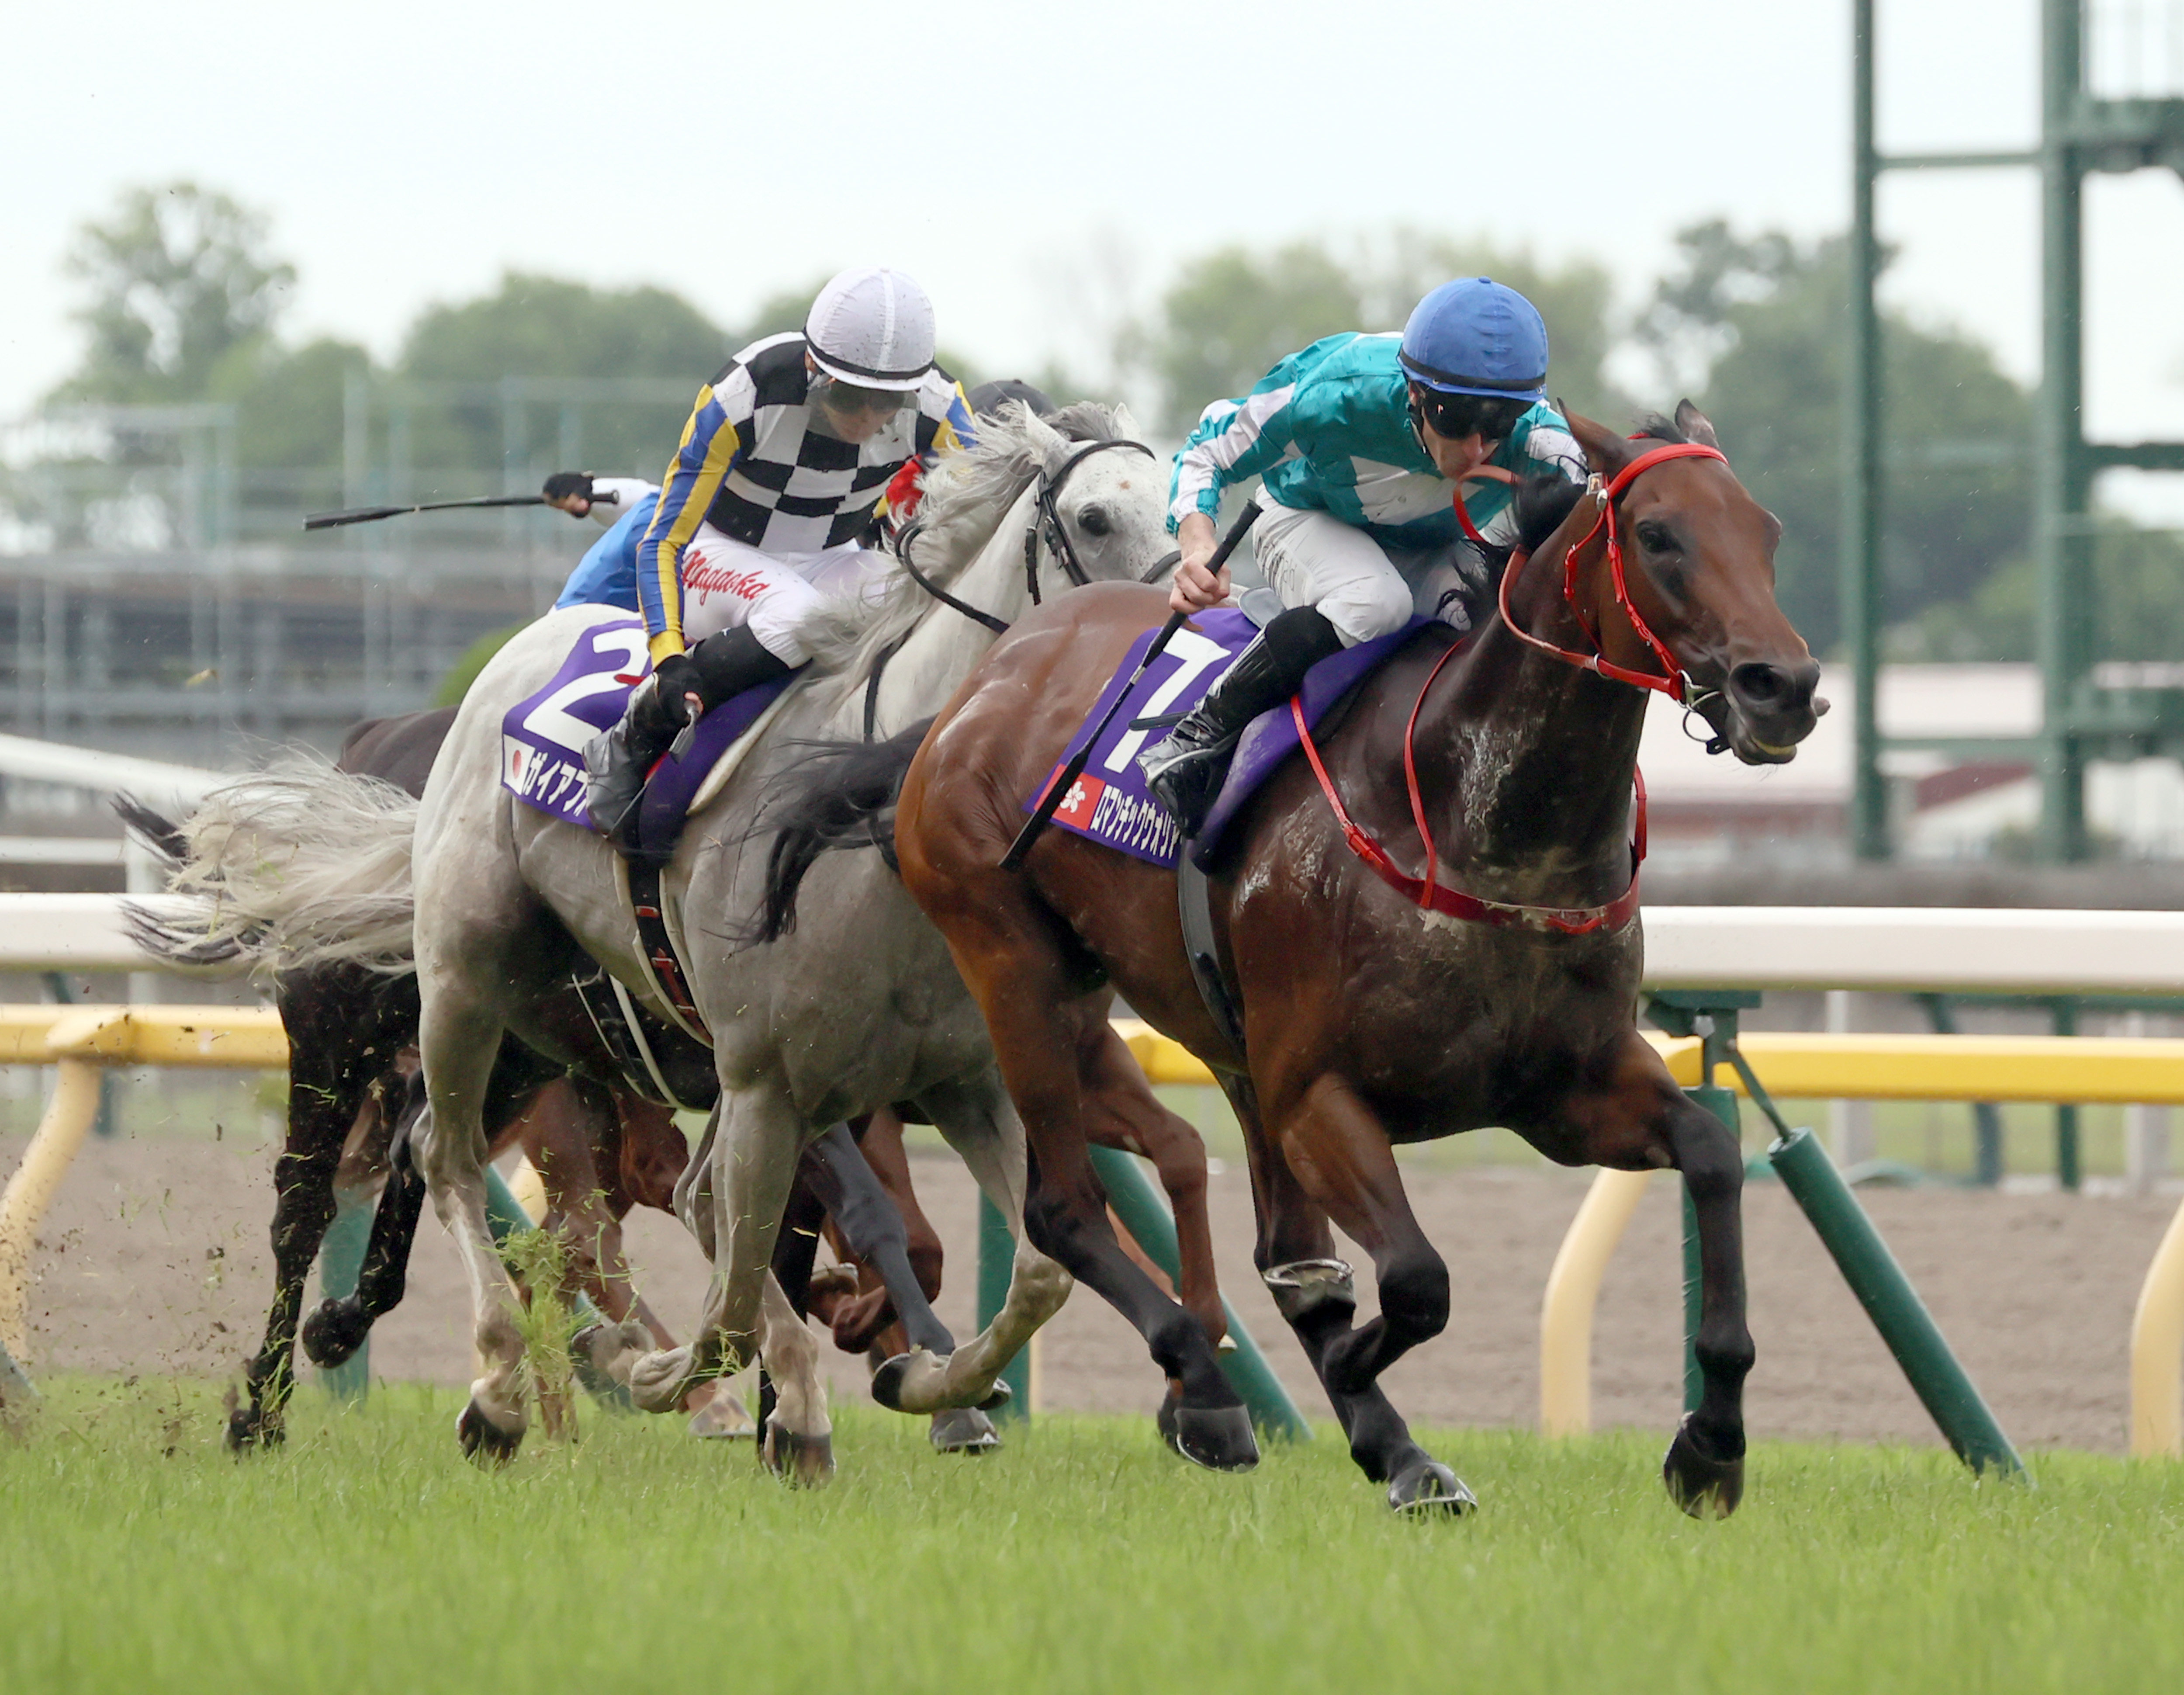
{"x":551,"y":721}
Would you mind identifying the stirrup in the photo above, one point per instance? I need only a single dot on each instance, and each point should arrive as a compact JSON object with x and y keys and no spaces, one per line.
{"x":1189,"y":781}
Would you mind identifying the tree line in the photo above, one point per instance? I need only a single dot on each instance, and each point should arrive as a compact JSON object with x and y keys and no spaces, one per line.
{"x":184,"y":294}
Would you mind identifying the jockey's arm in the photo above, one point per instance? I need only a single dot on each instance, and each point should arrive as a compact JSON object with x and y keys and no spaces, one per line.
{"x":711,"y":442}
{"x":952,"y":431}
{"x":1234,"y":440}
{"x":612,"y":497}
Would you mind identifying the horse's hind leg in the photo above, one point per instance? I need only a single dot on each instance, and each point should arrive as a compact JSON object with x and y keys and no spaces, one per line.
{"x":333,"y":1333}
{"x":331,"y":1052}
{"x":1313,"y":1292}
{"x":1048,"y":1034}
{"x":1122,"y":1112}
{"x":459,"y":1036}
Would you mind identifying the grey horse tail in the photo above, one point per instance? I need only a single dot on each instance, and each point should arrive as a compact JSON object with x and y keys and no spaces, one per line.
{"x":185,"y":946}
{"x":296,"y":866}
{"x":838,"y":795}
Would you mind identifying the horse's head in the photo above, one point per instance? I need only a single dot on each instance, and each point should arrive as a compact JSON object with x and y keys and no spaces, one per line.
{"x":1101,"y":499}
{"x":1698,"y":557}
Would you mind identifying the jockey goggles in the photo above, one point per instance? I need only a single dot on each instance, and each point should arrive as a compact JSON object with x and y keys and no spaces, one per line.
{"x":1455,"y":417}
{"x":848,"y":398}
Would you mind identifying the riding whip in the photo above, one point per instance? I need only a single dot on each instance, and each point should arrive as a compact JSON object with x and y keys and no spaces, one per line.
{"x":365,"y":515}
{"x":1074,"y":769}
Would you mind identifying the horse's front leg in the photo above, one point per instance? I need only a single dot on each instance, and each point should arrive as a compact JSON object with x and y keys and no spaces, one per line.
{"x":734,"y":1206}
{"x":1329,"y":1146}
{"x":1646,"y":1120}
{"x":978,"y":1123}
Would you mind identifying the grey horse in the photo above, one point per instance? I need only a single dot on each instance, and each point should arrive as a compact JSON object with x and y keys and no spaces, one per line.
{"x":858,"y":1006}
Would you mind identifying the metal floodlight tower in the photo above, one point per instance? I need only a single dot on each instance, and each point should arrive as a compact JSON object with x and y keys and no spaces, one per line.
{"x":2079,"y":135}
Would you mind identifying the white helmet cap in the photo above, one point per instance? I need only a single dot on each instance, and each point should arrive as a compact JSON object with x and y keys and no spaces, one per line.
{"x":871,"y":326}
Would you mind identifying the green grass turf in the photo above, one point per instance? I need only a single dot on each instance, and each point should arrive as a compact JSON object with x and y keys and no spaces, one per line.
{"x":136,"y":1557}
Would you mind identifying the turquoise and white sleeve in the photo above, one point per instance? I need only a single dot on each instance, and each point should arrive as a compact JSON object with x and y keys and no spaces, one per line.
{"x":1234,"y":439}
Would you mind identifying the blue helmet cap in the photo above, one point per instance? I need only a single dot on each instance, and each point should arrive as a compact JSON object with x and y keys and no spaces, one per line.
{"x":1475,"y":336}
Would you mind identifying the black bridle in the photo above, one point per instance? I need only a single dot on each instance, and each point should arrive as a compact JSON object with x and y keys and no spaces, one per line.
{"x":1045,"y":524}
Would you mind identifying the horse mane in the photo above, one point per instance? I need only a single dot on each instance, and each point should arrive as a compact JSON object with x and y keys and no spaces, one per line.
{"x":966,"y":492}
{"x":1545,"y":498}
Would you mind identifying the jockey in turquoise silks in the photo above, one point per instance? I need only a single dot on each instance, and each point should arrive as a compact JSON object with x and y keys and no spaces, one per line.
{"x":1361,"y":442}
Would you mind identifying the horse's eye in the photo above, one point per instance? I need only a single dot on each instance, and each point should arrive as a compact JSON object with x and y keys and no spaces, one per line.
{"x":1656,"y":538}
{"x":1095,"y":522}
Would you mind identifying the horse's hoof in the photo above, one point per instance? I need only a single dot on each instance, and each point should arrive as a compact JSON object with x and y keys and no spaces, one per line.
{"x":1001,"y":1396}
{"x":964,"y":1429}
{"x":1703,"y":1486}
{"x":722,"y":1419}
{"x":1425,"y":1488}
{"x":1218,"y":1438}
{"x":335,"y":1332}
{"x":249,"y":1431}
{"x":799,"y":1461}
{"x":482,"y":1440}
{"x":888,"y":1381}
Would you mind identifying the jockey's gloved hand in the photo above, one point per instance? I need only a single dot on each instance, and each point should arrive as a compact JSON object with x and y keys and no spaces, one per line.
{"x":570,"y":491}
{"x":677,"y":675}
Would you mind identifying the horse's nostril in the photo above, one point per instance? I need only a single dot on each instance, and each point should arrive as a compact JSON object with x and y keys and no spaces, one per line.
{"x":1759,"y":685}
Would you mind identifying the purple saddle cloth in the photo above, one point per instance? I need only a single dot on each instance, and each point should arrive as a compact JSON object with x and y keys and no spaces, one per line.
{"x":1110,"y":803}
{"x":542,"y":736}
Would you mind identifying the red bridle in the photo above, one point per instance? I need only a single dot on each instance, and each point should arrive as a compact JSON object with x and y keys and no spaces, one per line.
{"x":1673,"y":680}
{"x":1428,"y":891}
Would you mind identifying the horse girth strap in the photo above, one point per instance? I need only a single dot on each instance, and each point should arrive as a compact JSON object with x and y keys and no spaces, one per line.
{"x":656,"y":949}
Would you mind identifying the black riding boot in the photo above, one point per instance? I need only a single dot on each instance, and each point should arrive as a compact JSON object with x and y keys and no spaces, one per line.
{"x":1185,"y":769}
{"x":617,"y":762}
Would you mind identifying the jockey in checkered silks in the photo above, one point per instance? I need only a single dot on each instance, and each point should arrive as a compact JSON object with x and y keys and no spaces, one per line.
{"x":787,"y":454}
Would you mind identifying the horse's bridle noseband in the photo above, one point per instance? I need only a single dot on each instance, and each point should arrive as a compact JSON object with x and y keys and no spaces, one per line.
{"x":1049,"y":525}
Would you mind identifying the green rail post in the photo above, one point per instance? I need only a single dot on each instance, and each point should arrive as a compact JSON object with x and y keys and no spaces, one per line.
{"x":997,"y":1252}
{"x":1875,"y":1277}
{"x":2069,"y":1168}
{"x":1146,"y":1216}
{"x":341,"y":1261}
{"x":1892,"y":1304}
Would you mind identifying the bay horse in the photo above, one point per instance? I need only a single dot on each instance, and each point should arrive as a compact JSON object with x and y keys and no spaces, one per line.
{"x":490,"y":901}
{"x":1429,"y":926}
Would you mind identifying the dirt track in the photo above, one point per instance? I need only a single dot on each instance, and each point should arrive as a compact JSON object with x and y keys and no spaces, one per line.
{"x":154,"y":1259}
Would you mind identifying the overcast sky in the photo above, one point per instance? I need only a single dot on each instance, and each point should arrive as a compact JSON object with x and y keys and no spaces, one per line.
{"x":1039,"y":166}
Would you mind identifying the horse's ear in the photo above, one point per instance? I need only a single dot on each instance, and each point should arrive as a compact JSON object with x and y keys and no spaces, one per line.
{"x":1696,"y":425}
{"x":1048,"y":444}
{"x":1605,"y":452}
{"x":1125,"y":426}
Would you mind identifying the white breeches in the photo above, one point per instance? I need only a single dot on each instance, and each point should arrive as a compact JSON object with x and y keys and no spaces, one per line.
{"x":1313,"y":559}
{"x":726,"y":583}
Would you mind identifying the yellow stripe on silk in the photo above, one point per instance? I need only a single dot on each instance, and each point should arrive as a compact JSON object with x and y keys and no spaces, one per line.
{"x":705,"y":484}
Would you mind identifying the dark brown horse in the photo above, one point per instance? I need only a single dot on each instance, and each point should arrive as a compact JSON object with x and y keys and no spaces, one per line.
{"x":1370,"y":1020}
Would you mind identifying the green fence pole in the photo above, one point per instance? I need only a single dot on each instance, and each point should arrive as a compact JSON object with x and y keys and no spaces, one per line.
{"x":1892,"y":1304}
{"x":341,"y":1260}
{"x":1146,"y":1216}
{"x":997,"y":1252}
{"x":1722,"y":1103}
